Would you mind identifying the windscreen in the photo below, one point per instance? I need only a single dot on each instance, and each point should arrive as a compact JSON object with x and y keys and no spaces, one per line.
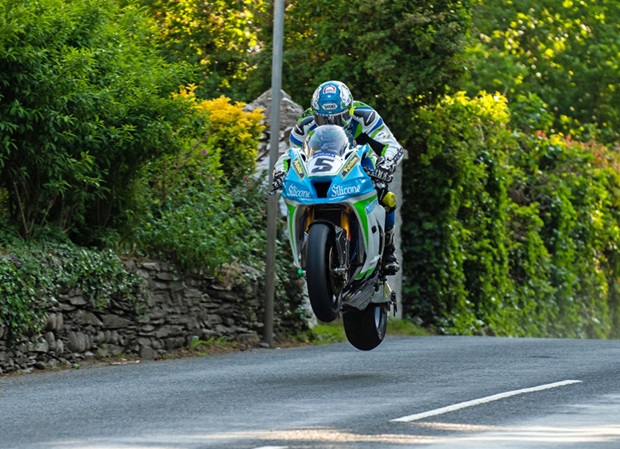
{"x":327,"y":139}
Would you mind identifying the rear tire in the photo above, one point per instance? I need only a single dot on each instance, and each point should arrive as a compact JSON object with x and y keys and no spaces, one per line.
{"x":320,"y":257}
{"x":366,"y":329}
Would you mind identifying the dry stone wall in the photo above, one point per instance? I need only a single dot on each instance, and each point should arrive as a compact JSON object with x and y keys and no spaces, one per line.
{"x":173,"y":310}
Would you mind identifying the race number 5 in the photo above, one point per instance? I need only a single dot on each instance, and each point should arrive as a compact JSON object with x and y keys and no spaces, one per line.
{"x":321,"y":165}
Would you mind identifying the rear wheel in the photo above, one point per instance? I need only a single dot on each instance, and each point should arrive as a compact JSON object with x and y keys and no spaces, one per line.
{"x":366,"y":329}
{"x":320,"y":258}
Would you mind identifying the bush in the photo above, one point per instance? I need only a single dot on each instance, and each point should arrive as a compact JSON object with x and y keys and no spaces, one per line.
{"x":232,"y":134}
{"x":455,"y":215}
{"x":574,"y":192}
{"x":197,"y":225}
{"x":34,"y":274}
{"x":84,"y":102}
{"x":188,"y":209}
{"x":509,"y":233}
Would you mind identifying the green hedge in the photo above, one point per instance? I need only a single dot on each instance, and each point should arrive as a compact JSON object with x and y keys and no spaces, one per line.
{"x":85,"y":101}
{"x":507,"y":233}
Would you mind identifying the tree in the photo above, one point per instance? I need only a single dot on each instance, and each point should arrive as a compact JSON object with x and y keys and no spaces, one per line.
{"x":566,"y":52}
{"x":218,"y":36}
{"x":394,"y":55}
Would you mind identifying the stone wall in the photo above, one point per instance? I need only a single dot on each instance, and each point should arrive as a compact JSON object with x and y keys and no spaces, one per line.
{"x":173,"y":311}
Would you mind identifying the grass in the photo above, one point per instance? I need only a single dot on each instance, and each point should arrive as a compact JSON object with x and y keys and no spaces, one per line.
{"x":405,"y":328}
{"x":325,"y":333}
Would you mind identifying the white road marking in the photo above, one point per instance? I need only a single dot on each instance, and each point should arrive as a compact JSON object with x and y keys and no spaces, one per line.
{"x":495,"y":397}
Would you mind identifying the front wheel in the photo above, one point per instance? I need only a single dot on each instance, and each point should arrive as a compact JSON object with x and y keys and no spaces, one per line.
{"x":320,"y":258}
{"x":366,"y":329}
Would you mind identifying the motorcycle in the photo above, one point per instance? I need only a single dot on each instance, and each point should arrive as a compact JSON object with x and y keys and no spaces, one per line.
{"x":336,"y":225}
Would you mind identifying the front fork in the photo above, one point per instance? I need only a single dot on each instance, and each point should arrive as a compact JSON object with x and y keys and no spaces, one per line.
{"x":340,"y":267}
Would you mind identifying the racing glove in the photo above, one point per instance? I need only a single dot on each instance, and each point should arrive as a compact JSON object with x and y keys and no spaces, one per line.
{"x":385,"y":169}
{"x":278,"y":178}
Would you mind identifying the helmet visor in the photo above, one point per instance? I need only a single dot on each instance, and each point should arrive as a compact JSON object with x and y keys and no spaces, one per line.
{"x":341,"y":119}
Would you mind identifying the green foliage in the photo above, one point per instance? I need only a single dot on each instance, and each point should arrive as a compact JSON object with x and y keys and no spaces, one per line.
{"x":4,"y":203}
{"x":232,"y":133}
{"x":405,"y":328}
{"x":192,"y":206}
{"x":509,"y":233}
{"x":393,"y":55}
{"x":327,"y":333}
{"x":456,"y":216}
{"x":217,"y":36}
{"x":34,"y":274}
{"x":212,"y":345}
{"x":190,"y":216}
{"x":85,"y":101}
{"x":573,"y":188}
{"x":566,"y":52}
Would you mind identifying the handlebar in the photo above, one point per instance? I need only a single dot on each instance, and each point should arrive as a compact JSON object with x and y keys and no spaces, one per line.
{"x":381,"y":184}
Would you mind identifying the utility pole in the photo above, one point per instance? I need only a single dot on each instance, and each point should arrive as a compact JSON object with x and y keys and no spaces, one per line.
{"x":274,"y":140}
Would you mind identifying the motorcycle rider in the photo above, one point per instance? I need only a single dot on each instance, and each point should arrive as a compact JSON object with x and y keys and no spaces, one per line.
{"x":332,"y":103}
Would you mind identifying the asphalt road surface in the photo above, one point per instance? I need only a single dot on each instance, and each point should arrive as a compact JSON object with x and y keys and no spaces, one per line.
{"x":435,"y":392}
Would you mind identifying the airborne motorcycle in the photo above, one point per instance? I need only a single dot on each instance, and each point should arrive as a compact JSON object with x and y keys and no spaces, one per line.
{"x":336,"y":225}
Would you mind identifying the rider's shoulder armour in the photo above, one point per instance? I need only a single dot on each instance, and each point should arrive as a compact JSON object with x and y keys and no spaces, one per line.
{"x":365,"y":115}
{"x":302,"y":127}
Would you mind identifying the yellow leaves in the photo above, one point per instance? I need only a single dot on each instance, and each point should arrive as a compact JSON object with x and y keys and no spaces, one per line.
{"x":231,"y":132}
{"x":559,"y":44}
{"x":549,"y":53}
{"x":223,"y":113}
{"x":597,"y":220}
{"x":186,"y":93}
{"x":494,"y":107}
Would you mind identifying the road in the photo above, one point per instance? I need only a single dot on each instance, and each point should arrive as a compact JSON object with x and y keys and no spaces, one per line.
{"x":410,"y":392}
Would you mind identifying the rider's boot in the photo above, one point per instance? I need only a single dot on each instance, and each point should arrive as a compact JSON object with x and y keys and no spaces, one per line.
{"x":390,"y":262}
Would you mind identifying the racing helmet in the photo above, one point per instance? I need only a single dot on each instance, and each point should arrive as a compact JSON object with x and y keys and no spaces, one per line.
{"x":330,"y":139}
{"x":332,"y":103}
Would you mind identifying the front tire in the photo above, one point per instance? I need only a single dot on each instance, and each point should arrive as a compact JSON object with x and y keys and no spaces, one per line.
{"x":366,"y":329}
{"x":320,"y":257}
